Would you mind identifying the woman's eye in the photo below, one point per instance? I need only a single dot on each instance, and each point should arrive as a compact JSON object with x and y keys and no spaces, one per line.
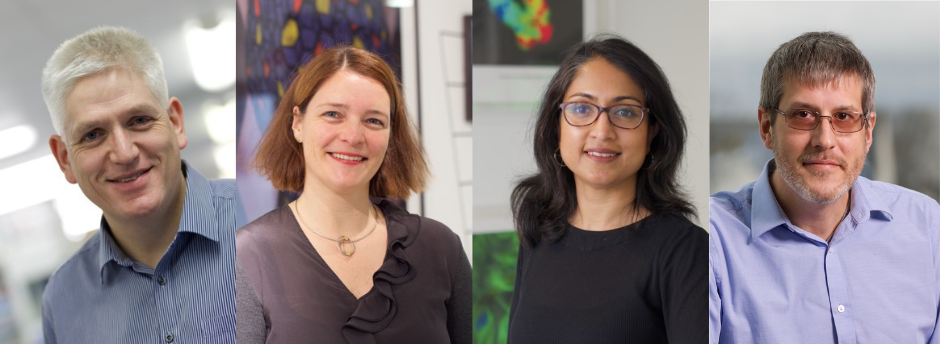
{"x":331,"y":114}
{"x":375,"y":121}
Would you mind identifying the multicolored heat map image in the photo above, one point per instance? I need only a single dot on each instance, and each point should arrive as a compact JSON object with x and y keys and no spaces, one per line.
{"x":525,"y":32}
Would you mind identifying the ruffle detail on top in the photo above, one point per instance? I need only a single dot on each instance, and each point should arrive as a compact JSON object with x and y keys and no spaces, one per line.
{"x":378,"y":307}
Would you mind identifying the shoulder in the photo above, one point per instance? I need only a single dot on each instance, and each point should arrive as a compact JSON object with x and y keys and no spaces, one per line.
{"x":674,"y":229}
{"x":223,"y":188}
{"x":264,"y":231}
{"x":80,"y":269}
{"x":891,"y":193}
{"x":732,"y":200}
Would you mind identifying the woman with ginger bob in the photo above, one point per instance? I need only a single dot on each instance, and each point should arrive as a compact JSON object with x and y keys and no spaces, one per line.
{"x":341,"y":264}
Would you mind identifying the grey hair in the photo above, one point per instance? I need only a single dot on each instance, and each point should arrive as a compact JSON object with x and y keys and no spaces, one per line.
{"x":814,"y":59}
{"x":93,"y":52}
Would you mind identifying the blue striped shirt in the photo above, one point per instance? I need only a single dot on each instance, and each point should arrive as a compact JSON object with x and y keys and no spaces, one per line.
{"x":102,"y":296}
{"x":876,"y":281}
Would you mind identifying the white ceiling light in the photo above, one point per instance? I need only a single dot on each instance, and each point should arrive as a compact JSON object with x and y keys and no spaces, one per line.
{"x":212,"y":53}
{"x":400,"y":3}
{"x":16,"y":140}
{"x":220,"y":121}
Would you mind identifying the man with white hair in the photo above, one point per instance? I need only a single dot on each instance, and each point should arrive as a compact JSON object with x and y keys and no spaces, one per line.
{"x":161,"y":268}
{"x":811,"y":252}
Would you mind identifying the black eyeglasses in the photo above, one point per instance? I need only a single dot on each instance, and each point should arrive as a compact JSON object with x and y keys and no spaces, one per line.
{"x":581,"y":114}
{"x":842,"y":122}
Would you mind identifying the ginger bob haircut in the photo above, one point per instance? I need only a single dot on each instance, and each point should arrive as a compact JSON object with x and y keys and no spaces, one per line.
{"x":280,"y":157}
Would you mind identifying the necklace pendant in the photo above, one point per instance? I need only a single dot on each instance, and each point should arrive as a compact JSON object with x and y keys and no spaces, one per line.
{"x":346,"y":246}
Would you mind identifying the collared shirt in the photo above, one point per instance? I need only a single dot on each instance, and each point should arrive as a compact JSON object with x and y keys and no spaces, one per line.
{"x":876,"y":281}
{"x":100,"y":295}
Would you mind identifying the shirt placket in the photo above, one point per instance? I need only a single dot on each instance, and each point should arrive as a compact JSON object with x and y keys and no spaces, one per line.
{"x":163,"y":282}
{"x":839,"y":303}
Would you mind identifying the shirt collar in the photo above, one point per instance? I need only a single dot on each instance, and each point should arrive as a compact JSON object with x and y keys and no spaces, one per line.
{"x":197,"y":218}
{"x":766,"y":213}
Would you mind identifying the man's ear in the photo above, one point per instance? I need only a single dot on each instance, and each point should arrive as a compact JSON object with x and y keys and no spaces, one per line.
{"x":766,"y":127}
{"x":175,"y":112}
{"x":61,"y":154}
{"x":869,"y":131}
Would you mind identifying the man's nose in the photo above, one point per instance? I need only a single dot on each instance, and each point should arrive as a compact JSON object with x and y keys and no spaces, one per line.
{"x":124,"y":150}
{"x":824,"y":135}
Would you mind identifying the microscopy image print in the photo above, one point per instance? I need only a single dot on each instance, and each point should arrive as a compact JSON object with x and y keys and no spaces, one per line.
{"x":525,"y":32}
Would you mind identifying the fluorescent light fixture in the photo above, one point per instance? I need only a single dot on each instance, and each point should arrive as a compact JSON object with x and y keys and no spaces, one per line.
{"x":220,"y":121}
{"x":225,"y":160}
{"x":16,"y":140}
{"x":40,"y":180}
{"x":400,"y":3}
{"x":30,"y":183}
{"x":212,"y":53}
{"x":78,"y":215}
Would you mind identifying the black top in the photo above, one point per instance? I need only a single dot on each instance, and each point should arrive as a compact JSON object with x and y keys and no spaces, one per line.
{"x":643,"y":283}
{"x":286,"y":293}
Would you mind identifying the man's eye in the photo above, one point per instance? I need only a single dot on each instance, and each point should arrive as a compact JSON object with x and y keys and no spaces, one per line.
{"x":91,"y":136}
{"x":842,"y":116}
{"x":141,"y":120}
{"x":804,"y":114}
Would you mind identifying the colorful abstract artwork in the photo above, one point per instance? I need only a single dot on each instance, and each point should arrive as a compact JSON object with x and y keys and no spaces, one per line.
{"x":494,"y":276}
{"x":529,"y":20}
{"x":525,"y":32}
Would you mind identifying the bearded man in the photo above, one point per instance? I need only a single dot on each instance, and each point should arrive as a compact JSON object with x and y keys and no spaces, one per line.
{"x":811,"y":252}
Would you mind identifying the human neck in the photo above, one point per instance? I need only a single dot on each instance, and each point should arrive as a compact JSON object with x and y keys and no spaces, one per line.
{"x":819,"y":219}
{"x":335,"y":214}
{"x":601,"y":209}
{"x":147,"y":238}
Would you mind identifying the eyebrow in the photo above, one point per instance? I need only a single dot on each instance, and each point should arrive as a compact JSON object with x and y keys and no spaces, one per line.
{"x":346,"y":107}
{"x":844,"y":108}
{"x":616,"y":99}
{"x":136,"y":110}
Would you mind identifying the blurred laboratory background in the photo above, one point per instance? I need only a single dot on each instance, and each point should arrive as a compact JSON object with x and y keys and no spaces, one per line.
{"x":424,"y":41}
{"x":901,"y":41}
{"x":43,"y":218}
{"x":516,"y":50}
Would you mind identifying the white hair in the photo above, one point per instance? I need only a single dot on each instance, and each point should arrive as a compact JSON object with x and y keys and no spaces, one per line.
{"x":93,"y":52}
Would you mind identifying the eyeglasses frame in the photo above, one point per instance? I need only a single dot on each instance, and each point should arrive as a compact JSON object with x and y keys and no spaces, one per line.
{"x":643,"y":113}
{"x":819,"y":118}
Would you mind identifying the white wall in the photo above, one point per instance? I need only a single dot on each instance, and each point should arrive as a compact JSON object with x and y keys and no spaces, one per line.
{"x":446,"y":134}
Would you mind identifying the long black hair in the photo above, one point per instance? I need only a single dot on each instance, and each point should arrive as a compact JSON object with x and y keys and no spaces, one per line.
{"x":543,"y":202}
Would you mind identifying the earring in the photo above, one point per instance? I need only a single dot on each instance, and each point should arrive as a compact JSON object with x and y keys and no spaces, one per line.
{"x":562,"y":162}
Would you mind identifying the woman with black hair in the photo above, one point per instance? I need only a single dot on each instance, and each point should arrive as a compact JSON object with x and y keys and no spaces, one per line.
{"x":608,"y":252}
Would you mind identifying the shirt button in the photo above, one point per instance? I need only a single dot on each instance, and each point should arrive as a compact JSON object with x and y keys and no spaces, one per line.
{"x":169,"y":338}
{"x":841,"y":308}
{"x":162,"y":281}
{"x":830,"y":250}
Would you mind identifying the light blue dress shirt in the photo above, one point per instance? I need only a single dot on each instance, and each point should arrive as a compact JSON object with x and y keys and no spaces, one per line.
{"x":102,"y":296}
{"x":877,"y":281}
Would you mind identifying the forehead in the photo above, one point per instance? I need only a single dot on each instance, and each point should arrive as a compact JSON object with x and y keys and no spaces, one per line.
{"x":599,"y":78}
{"x":350,"y":87}
{"x":105,"y":95}
{"x":843,"y":91}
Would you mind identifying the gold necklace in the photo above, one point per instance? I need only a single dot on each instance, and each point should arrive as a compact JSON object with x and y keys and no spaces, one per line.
{"x":345,"y":245}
